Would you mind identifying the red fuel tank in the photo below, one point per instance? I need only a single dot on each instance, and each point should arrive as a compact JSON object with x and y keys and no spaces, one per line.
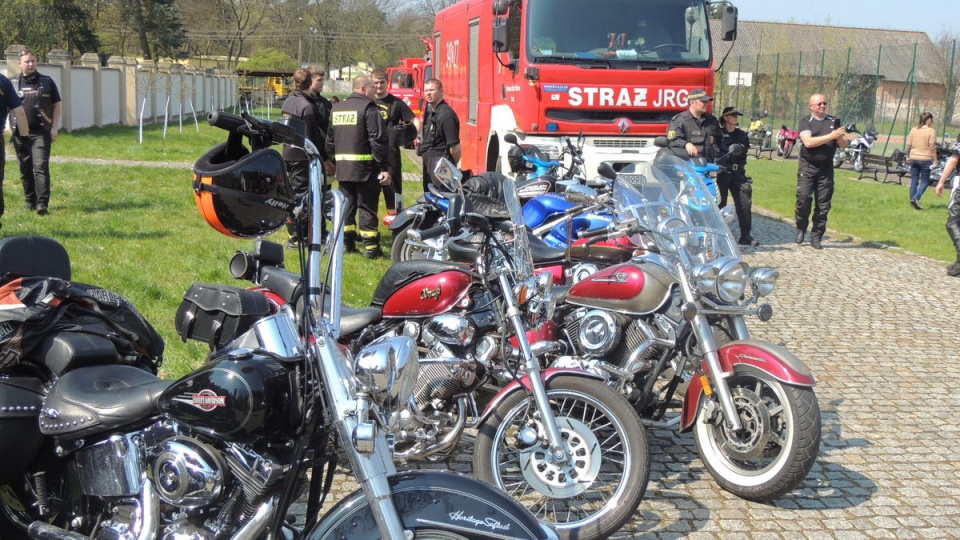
{"x":631,"y":288}
{"x":429,"y":295}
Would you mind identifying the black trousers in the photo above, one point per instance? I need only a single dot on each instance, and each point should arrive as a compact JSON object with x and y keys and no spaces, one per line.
{"x":953,"y":219}
{"x":814,"y":190}
{"x":740,"y":186}
{"x":365,"y":197}
{"x":34,"y":155}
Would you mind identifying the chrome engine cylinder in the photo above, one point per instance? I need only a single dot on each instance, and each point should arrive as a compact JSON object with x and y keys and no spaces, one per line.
{"x":189,"y":474}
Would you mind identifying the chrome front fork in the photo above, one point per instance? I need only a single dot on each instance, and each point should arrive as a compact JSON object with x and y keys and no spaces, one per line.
{"x":708,"y":345}
{"x":532,"y":369}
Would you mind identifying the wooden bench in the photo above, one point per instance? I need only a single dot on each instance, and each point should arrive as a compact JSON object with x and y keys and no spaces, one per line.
{"x":757,"y":147}
{"x":874,"y":164}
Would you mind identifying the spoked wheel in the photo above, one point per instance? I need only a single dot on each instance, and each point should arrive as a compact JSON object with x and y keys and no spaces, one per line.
{"x":777,"y":446}
{"x":405,"y":248}
{"x":858,"y":163}
{"x":594,"y":493}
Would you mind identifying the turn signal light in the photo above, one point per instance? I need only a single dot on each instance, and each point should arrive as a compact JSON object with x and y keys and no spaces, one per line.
{"x":705,"y":382}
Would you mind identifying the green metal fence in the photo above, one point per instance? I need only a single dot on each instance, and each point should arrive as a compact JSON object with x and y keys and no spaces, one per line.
{"x":884,"y":87}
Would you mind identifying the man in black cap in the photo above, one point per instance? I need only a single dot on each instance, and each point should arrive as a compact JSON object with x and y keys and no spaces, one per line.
{"x":695,"y":130}
{"x":734,"y":178}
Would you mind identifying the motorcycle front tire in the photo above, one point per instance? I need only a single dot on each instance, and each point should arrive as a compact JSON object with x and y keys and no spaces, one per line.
{"x":424,"y":500}
{"x":838,"y":159}
{"x":605,"y":438}
{"x":778,"y":444}
{"x":789,"y":151}
{"x":858,"y":163}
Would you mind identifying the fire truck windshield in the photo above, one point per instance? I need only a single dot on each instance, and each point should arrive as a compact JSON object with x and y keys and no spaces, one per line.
{"x":674,"y":32}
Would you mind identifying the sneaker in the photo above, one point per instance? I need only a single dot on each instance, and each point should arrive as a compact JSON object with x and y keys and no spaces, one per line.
{"x":800,"y":234}
{"x":916,"y":204}
{"x":293,"y":243}
{"x":815,"y":242}
{"x":42,"y":211}
{"x":748,"y":242}
{"x":388,"y":219}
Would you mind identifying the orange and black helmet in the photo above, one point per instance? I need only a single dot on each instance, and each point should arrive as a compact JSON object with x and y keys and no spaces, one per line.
{"x":241,"y":193}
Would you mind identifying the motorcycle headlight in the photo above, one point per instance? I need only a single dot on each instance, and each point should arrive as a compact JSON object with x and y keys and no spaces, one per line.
{"x":387,"y":370}
{"x":764,"y":280}
{"x":732,"y":280}
{"x":705,"y":276}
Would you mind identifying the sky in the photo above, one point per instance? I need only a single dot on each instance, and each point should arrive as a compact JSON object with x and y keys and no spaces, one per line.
{"x":930,"y":16}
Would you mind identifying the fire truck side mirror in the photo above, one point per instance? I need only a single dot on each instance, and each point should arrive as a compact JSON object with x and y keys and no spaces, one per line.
{"x":500,"y":7}
{"x":501,"y":33}
{"x":728,"y":23}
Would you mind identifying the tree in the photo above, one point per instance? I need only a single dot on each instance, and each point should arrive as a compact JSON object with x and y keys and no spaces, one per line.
{"x":270,"y":59}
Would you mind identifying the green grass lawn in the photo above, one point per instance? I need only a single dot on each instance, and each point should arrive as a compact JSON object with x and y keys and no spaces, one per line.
{"x":869,"y":210}
{"x":136,"y":230}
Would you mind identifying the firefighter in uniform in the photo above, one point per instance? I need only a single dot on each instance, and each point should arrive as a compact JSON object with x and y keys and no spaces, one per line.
{"x":41,"y":103}
{"x":734,"y":179}
{"x":441,"y":131}
{"x":695,"y":130}
{"x":300,"y":104}
{"x":358,"y":142}
{"x":395,"y":112}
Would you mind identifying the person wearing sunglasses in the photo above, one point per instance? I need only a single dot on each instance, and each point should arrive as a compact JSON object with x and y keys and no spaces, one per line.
{"x":41,"y":103}
{"x":821,"y":135}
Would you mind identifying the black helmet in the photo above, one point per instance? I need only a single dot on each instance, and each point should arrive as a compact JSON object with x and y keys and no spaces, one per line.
{"x":402,"y":134}
{"x":515,"y":157}
{"x":241,"y":193}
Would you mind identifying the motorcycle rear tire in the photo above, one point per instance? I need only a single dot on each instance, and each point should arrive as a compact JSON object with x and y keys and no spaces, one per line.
{"x":624,"y":457}
{"x":838,"y":159}
{"x":766,"y":469}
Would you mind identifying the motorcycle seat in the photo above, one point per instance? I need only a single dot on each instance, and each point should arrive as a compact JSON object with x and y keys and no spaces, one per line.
{"x":100,"y":398}
{"x":34,"y":256}
{"x":353,"y":320}
{"x":281,"y":281}
{"x":65,"y":351}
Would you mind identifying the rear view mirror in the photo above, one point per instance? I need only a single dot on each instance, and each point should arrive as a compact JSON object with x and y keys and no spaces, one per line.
{"x":447,"y":175}
{"x":501,"y":33}
{"x":728,"y":23}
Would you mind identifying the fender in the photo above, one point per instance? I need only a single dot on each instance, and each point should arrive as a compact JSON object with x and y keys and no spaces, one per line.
{"x":439,"y":501}
{"x":409,"y":215}
{"x":772,"y":359}
{"x":514,"y":386}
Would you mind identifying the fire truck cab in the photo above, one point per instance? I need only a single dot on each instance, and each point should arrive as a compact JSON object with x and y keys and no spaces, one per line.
{"x":615,"y":70}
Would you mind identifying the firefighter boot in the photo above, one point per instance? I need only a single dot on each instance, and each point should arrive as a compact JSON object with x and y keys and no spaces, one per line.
{"x":350,"y":241}
{"x":371,"y":245}
{"x":954,"y":269}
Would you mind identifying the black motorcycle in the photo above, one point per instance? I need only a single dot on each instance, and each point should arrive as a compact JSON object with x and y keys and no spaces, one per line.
{"x":96,"y":446}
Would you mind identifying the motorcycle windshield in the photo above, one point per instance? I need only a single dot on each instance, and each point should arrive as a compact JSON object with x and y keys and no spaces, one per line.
{"x":675,"y":205}
{"x":522,"y":257}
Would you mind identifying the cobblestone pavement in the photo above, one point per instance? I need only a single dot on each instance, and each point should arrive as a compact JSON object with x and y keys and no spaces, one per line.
{"x":880,"y":331}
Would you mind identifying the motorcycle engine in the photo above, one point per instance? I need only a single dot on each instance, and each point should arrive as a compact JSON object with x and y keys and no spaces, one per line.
{"x":188,"y":473}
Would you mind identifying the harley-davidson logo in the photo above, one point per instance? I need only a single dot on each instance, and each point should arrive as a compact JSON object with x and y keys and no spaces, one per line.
{"x":207,"y":400}
{"x":624,"y":126}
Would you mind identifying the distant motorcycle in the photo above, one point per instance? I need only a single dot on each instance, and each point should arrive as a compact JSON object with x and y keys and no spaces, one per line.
{"x":760,"y":130}
{"x":786,"y":139}
{"x":857,"y":148}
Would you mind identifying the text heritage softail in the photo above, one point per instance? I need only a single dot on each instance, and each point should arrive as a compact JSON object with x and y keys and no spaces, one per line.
{"x":111,"y":452}
{"x":669,"y":325}
{"x":560,"y":441}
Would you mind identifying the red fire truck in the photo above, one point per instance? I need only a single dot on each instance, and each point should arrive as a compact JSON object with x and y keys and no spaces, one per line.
{"x":406,"y":79}
{"x":615,"y":70}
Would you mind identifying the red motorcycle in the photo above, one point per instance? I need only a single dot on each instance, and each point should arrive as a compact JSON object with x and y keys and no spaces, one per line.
{"x":668,"y":330}
{"x":563,"y":443}
{"x":786,"y":139}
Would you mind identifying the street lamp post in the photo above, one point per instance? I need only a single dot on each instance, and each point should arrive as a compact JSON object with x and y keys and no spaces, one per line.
{"x":300,"y":44}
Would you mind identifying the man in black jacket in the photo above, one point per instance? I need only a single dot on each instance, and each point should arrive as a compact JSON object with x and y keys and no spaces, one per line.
{"x":358,"y":142}
{"x":695,"y":130}
{"x":734,"y":179}
{"x":301,"y":104}
{"x":395,"y":112}
{"x":41,"y":103}
{"x":441,"y":131}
